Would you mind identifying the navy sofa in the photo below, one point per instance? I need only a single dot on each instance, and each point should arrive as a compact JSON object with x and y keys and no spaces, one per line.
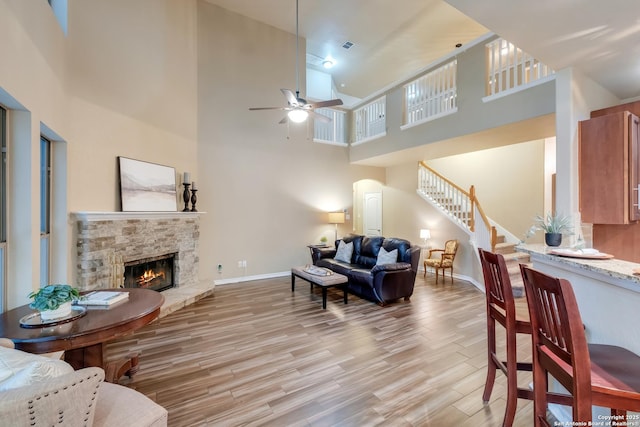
{"x":378,"y":283}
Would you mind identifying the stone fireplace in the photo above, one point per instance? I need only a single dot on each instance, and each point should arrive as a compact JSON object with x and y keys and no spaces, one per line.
{"x":113,"y":247}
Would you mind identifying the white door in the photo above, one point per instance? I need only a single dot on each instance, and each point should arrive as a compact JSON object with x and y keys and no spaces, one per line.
{"x":372,"y":214}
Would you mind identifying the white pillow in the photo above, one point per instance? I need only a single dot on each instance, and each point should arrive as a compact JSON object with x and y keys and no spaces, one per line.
{"x":344,"y":252}
{"x":18,"y":369}
{"x":385,"y":257}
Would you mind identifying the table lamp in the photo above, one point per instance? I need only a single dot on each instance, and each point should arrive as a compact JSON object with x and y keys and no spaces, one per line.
{"x":336,"y":218}
{"x":426,"y":235}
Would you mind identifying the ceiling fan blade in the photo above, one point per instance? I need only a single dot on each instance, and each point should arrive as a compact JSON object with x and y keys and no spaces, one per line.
{"x":291,"y":98}
{"x":319,"y":117}
{"x":329,"y":103}
{"x":267,"y":108}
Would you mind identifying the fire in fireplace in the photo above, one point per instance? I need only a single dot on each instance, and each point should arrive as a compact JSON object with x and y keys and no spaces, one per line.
{"x":154,"y":273}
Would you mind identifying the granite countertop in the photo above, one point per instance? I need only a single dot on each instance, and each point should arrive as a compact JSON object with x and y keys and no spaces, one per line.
{"x":615,"y":268}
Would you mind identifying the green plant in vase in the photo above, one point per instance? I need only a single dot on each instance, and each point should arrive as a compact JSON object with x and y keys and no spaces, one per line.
{"x":553,"y":226}
{"x":323,"y":240}
{"x":54,"y":301}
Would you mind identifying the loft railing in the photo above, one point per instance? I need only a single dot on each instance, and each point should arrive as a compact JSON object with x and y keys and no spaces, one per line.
{"x":334,"y":132}
{"x":370,"y":120}
{"x":432,"y":95}
{"x":460,"y":205}
{"x":510,"y":68}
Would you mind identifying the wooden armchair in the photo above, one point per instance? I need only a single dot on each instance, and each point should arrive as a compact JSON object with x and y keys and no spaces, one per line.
{"x":447,"y":255}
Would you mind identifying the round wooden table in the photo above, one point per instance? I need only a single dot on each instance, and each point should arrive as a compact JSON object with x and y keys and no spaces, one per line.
{"x":83,"y":339}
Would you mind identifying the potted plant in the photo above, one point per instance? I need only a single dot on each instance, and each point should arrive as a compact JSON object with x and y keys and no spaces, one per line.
{"x":323,"y":240}
{"x":553,"y":225}
{"x":54,"y":301}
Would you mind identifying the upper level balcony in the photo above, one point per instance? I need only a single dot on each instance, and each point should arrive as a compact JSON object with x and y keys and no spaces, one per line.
{"x":488,"y":84}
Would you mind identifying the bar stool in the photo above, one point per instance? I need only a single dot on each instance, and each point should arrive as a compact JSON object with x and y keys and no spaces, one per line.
{"x":594,"y":374}
{"x":501,"y":308}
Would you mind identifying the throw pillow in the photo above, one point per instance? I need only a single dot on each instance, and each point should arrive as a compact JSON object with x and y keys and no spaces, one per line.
{"x":18,"y":369}
{"x":385,"y":257}
{"x":344,"y":252}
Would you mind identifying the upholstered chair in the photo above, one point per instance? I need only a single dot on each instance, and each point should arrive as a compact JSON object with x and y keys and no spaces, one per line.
{"x":444,"y":261}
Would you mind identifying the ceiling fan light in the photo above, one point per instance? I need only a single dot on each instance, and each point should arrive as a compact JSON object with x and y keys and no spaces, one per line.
{"x":298,"y":116}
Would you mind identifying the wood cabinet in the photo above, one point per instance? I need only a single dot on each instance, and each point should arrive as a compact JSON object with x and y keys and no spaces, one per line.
{"x":609,"y":168}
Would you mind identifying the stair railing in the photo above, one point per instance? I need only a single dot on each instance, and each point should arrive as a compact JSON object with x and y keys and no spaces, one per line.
{"x":460,"y":205}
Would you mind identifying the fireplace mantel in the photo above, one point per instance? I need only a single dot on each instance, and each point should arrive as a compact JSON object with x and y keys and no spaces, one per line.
{"x":110,"y":216}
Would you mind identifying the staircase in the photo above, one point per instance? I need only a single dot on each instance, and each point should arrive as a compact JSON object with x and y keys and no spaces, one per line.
{"x":464,"y":210}
{"x":513,"y":260}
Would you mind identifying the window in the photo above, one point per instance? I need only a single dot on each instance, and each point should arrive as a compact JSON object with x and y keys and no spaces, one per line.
{"x":59,"y":8}
{"x":3,"y":205}
{"x":45,"y":209}
{"x":3,"y":175}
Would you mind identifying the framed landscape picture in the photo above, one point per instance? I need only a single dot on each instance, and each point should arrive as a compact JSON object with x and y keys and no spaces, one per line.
{"x":147,"y":187}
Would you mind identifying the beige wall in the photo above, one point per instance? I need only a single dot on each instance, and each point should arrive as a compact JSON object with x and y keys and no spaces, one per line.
{"x":509,"y":181}
{"x":266,"y":187}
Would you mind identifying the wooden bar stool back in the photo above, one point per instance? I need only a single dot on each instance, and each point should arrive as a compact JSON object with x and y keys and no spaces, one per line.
{"x":501,"y":309}
{"x":594,"y":374}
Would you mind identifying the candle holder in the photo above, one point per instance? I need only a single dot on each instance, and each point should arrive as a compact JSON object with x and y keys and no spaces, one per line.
{"x":194,"y":199}
{"x":185,"y":196}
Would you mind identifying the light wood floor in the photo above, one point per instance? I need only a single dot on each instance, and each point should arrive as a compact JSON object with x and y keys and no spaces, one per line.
{"x":256,"y":354}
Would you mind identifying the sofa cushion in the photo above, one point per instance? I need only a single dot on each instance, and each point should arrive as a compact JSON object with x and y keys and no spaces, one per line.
{"x":344,"y":252}
{"x":385,"y":257}
{"x":335,"y":265}
{"x":369,"y":252}
{"x":402,"y":245}
{"x":391,"y":267}
{"x":19,"y":369}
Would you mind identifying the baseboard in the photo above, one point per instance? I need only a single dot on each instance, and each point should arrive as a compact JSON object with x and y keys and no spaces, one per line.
{"x":241,"y":279}
{"x":471,"y":280}
{"x":252,"y":278}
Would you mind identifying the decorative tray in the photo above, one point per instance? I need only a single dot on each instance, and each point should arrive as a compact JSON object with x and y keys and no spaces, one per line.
{"x":580,"y":253}
{"x":318,"y":271}
{"x":34,"y":320}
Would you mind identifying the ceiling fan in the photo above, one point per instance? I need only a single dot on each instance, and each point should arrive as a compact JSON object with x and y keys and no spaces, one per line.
{"x":298,"y":108}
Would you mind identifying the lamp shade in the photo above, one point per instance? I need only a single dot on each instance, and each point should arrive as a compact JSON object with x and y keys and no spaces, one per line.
{"x":425,"y":234}
{"x":336,"y":217}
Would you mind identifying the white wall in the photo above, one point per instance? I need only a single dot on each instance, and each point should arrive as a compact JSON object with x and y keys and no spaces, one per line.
{"x":576,"y":97}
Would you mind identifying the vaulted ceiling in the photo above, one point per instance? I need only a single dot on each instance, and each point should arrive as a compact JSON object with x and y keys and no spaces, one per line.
{"x":393,"y":39}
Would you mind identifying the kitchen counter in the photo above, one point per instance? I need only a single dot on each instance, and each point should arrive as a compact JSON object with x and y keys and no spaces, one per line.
{"x":618,"y":271}
{"x":608,"y":295}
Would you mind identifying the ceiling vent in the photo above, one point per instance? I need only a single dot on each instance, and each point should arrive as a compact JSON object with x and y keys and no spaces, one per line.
{"x":347,"y":45}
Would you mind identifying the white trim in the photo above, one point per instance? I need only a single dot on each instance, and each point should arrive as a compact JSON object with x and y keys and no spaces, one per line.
{"x":324,"y":141}
{"x":428,"y":119}
{"x":102,"y":216}
{"x":251,"y":278}
{"x":511,"y":91}
{"x":428,"y":67}
{"x":371,"y":138}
